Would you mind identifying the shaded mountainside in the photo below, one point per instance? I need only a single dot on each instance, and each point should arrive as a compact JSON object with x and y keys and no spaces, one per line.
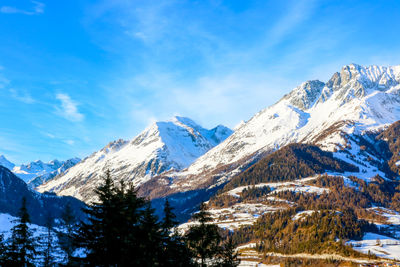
{"x":392,"y":137}
{"x":13,"y":189}
{"x":291,"y":162}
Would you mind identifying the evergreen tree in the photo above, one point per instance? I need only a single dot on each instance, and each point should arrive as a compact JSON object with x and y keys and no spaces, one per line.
{"x":3,"y":251}
{"x":169,"y":220}
{"x":175,"y":252}
{"x":151,"y":238}
{"x":100,"y":235}
{"x":22,"y":244}
{"x":228,"y":257}
{"x":129,"y":224}
{"x":48,"y":243}
{"x":203,"y":238}
{"x":66,"y":234}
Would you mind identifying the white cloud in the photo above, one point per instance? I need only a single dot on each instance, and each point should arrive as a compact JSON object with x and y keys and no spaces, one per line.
{"x":50,"y":135}
{"x":3,"y":82}
{"x":69,"y":108}
{"x":38,"y":8}
{"x":24,"y":97}
{"x":69,"y":142}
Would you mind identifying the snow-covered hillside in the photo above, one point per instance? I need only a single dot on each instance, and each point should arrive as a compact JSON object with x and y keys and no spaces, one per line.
{"x":164,"y":146}
{"x":37,"y":172}
{"x":355,"y":100}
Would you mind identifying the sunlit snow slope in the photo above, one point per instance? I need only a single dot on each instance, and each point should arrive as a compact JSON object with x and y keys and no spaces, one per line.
{"x":163,"y":146}
{"x":355,"y":100}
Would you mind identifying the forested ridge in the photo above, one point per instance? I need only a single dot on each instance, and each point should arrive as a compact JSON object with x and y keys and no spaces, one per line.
{"x":291,"y":162}
{"x":121,"y":229}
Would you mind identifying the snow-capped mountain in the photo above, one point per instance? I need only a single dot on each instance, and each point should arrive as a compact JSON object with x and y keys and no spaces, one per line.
{"x":164,"y":146}
{"x":48,"y":175}
{"x":354,"y":101}
{"x":177,"y":156}
{"x":6,"y":163}
{"x":37,"y":172}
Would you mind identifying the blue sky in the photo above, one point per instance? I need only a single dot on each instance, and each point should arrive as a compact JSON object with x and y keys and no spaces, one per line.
{"x":77,"y":74}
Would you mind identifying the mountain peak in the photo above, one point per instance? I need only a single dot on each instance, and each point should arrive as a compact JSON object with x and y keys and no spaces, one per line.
{"x":305,"y":95}
{"x":170,"y":145}
{"x":6,"y":163}
{"x":353,"y":81}
{"x":183,"y":120}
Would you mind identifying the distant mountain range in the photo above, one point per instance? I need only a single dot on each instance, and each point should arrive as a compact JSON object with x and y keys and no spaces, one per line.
{"x":38,"y":172}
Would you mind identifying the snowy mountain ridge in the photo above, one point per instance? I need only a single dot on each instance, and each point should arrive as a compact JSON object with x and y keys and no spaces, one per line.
{"x":354,"y":101}
{"x":179,"y":156}
{"x":38,"y":171}
{"x":163,"y":146}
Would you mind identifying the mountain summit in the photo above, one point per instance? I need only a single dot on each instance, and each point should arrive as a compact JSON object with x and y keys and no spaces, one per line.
{"x":355,"y":101}
{"x":164,"y":146}
{"x":178,"y":156}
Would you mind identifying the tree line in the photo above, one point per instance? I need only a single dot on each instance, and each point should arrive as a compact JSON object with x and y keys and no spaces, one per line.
{"x":120,"y":229}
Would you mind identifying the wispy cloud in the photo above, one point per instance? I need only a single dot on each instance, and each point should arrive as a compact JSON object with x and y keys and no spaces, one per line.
{"x":294,"y":15}
{"x":38,"y":8}
{"x":24,"y":97}
{"x":69,"y":142}
{"x":49,"y":135}
{"x":69,"y":108}
{"x":3,"y":81}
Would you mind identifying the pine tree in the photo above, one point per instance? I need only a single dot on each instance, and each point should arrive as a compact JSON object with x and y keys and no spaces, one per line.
{"x":203,"y":239}
{"x":3,"y":251}
{"x":151,"y":238}
{"x":175,"y":252}
{"x":129,"y":224}
{"x":228,"y":257}
{"x":66,"y":234}
{"x":22,"y":244}
{"x":169,"y":220}
{"x":48,"y":243}
{"x":100,"y":235}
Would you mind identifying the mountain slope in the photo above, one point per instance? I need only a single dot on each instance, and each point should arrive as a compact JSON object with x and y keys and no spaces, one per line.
{"x":164,"y":146}
{"x":355,"y":101}
{"x":39,"y":206}
{"x":6,"y":163}
{"x":289,"y":163}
